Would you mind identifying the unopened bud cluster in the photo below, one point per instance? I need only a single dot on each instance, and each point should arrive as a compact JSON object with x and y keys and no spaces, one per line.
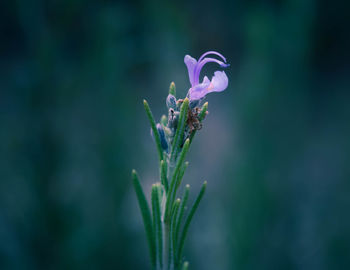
{"x":168,"y":124}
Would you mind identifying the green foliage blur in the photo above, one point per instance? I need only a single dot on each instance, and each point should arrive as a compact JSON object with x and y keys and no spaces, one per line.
{"x":274,"y":147}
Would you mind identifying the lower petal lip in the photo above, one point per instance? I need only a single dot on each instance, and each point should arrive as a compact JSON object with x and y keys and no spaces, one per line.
{"x":210,"y":87}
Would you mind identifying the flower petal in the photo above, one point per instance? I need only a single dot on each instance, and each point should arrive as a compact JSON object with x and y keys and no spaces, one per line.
{"x":191,"y":64}
{"x":219,"y":82}
{"x":200,"y":90}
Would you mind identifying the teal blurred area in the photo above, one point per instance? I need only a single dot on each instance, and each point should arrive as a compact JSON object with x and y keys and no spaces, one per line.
{"x":274,"y":147}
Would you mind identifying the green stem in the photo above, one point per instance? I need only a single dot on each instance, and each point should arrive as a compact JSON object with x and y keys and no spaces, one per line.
{"x":169,"y":201}
{"x":172,"y":228}
{"x":178,"y":139}
{"x":166,"y":246}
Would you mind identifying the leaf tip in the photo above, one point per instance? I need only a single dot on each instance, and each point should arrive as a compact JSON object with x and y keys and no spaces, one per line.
{"x":155,"y":185}
{"x":205,"y":106}
{"x":185,"y":266}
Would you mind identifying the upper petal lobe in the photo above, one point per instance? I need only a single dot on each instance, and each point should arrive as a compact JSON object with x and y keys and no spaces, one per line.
{"x":191,"y":64}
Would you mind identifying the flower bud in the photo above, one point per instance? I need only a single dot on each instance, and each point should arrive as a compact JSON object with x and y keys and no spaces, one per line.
{"x":171,"y":102}
{"x":194,"y":103}
{"x":164,"y":120}
{"x":172,"y":89}
{"x":173,"y":118}
{"x":168,"y":132}
{"x":163,"y":140}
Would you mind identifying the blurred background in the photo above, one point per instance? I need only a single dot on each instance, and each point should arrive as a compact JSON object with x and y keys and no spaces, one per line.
{"x":274,"y":148}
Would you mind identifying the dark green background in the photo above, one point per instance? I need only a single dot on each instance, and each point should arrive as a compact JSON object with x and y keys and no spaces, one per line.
{"x":274,"y":148}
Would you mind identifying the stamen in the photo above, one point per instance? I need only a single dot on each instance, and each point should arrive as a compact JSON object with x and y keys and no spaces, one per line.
{"x":200,"y":65}
{"x":212,"y":52}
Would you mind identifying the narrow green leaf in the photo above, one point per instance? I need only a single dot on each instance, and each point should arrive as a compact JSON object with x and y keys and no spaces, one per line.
{"x":172,"y":231}
{"x":154,"y":129}
{"x":188,"y":221}
{"x":203,"y":112}
{"x":146,"y":215}
{"x":157,"y":226}
{"x":172,"y":89}
{"x":201,"y":116}
{"x":180,"y":176}
{"x":180,"y":129}
{"x":174,"y":177}
{"x":182,"y":210}
{"x":185,"y":266}
{"x":163,"y":174}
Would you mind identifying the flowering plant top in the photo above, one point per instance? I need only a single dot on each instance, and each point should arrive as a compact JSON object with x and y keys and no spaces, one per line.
{"x":168,"y":219}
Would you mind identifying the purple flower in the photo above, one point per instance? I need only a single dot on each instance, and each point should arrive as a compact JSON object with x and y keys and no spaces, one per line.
{"x":217,"y":84}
